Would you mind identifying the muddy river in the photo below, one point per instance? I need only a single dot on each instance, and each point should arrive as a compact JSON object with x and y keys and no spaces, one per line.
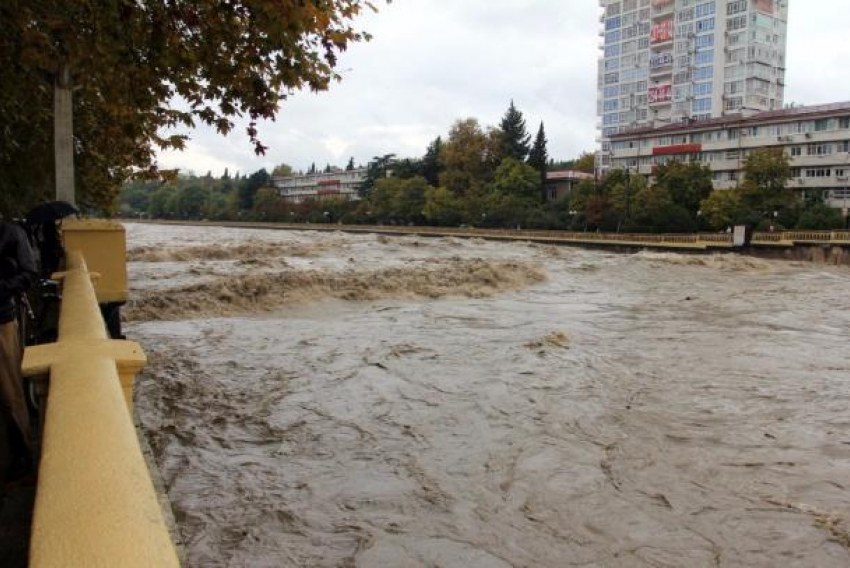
{"x":355,"y":400}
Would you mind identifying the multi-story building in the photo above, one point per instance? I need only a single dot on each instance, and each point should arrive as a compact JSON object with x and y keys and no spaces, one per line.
{"x":816,"y":139}
{"x":324,"y":185}
{"x":668,"y":61}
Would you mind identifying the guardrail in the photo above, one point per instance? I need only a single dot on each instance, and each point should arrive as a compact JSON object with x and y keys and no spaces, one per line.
{"x":95,"y":504}
{"x":696,"y":241}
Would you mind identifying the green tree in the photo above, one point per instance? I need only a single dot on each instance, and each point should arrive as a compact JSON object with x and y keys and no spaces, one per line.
{"x":131,"y":71}
{"x":766,"y":175}
{"x":159,"y":204}
{"x":517,"y":178}
{"x":376,"y":170}
{"x":687,"y":184}
{"x":722,"y":208}
{"x":350,"y":165}
{"x":515,"y":137}
{"x":432,"y":162}
{"x":820,"y":216}
{"x":188,"y":201}
{"x":442,"y":207}
{"x":538,"y":157}
{"x":585,"y":163}
{"x":282,"y":170}
{"x":249,"y":187}
{"x":266,"y":202}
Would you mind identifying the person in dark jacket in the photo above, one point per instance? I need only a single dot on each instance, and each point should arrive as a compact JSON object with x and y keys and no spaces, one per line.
{"x":18,"y":271}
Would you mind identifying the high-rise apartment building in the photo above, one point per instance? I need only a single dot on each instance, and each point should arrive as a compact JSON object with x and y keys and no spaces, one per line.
{"x":669,"y":61}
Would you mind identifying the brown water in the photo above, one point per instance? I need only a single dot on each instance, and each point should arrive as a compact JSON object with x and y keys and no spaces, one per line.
{"x":583,"y":408}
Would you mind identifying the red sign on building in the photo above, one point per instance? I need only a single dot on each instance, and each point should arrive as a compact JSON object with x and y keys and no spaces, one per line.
{"x":661,"y":32}
{"x":660,"y":94}
{"x":677,"y":149}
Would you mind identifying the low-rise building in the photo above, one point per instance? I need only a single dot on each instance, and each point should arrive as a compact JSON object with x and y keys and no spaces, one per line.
{"x":816,"y":139}
{"x":324,"y":185}
{"x":559,"y":184}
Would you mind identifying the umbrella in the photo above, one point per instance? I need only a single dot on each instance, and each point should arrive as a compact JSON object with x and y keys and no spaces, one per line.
{"x":50,"y":212}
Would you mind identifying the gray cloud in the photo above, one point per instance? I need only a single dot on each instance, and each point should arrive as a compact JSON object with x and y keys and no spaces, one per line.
{"x":433,"y":62}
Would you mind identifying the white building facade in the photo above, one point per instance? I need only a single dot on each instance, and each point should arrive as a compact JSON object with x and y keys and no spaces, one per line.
{"x":324,"y":185}
{"x":815,"y":138}
{"x":668,"y":61}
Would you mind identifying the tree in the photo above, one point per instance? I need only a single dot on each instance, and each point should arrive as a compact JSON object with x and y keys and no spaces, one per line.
{"x":820,"y":216}
{"x":432,"y":162}
{"x":722,"y":208}
{"x":396,"y":199}
{"x":687,"y":184}
{"x":265,"y":201}
{"x":442,"y":207}
{"x":249,"y":187}
{"x":766,"y":175}
{"x":350,"y":165}
{"x":469,"y":157}
{"x":515,"y":137}
{"x":585,"y":163}
{"x":282,"y":170}
{"x":517,"y":178}
{"x":131,"y":71}
{"x":376,"y":170}
{"x":539,"y":157}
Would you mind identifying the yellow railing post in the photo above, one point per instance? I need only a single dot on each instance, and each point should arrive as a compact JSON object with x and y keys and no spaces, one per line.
{"x":95,"y":504}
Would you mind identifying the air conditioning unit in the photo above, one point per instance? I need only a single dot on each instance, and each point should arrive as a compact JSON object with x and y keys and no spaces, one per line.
{"x":808,"y":134}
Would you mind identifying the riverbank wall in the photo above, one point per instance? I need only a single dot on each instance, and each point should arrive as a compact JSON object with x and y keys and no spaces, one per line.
{"x":824,"y":247}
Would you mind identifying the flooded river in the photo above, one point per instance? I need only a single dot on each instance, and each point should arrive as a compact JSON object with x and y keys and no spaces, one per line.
{"x":323,"y":399}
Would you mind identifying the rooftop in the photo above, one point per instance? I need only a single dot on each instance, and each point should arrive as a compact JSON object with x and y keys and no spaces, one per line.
{"x":790,"y":113}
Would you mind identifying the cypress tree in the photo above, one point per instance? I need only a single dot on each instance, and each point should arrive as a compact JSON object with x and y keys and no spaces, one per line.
{"x":515,"y":137}
{"x":539,"y":157}
{"x":431,"y":162}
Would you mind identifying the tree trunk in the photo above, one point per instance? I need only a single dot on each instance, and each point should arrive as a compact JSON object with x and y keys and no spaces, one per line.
{"x":63,"y":135}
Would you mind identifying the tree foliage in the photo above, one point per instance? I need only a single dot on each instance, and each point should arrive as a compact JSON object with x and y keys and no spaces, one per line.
{"x":765,"y":187}
{"x":141,"y":69}
{"x":518,"y":179}
{"x":585,"y":163}
{"x":515,"y":137}
{"x":470,"y":156}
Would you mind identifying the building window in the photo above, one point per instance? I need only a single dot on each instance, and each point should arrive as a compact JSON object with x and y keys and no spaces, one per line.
{"x":818,"y":172}
{"x":844,"y":122}
{"x":736,"y":7}
{"x":821,"y":125}
{"x":819,"y":149}
{"x":704,"y":57}
{"x":704,"y":41}
{"x":701,"y":105}
{"x":706,"y":9}
{"x":843,"y":146}
{"x":796,"y":151}
{"x":705,"y":25}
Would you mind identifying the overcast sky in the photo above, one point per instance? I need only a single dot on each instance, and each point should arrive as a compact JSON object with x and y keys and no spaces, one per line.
{"x":434,"y":61}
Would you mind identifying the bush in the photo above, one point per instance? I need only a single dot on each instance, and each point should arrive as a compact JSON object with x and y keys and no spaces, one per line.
{"x":820,"y":217}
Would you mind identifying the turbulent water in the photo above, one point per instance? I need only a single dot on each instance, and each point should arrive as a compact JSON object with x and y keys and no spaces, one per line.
{"x":352,"y":400}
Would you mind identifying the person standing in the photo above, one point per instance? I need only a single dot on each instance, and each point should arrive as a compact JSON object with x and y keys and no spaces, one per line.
{"x":18,"y":272}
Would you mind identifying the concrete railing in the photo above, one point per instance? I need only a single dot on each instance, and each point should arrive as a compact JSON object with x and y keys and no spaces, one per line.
{"x":698,"y":241}
{"x":95,"y":503}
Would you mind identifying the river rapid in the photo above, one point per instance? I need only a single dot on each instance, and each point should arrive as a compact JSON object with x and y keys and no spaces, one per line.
{"x":326,"y":399}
